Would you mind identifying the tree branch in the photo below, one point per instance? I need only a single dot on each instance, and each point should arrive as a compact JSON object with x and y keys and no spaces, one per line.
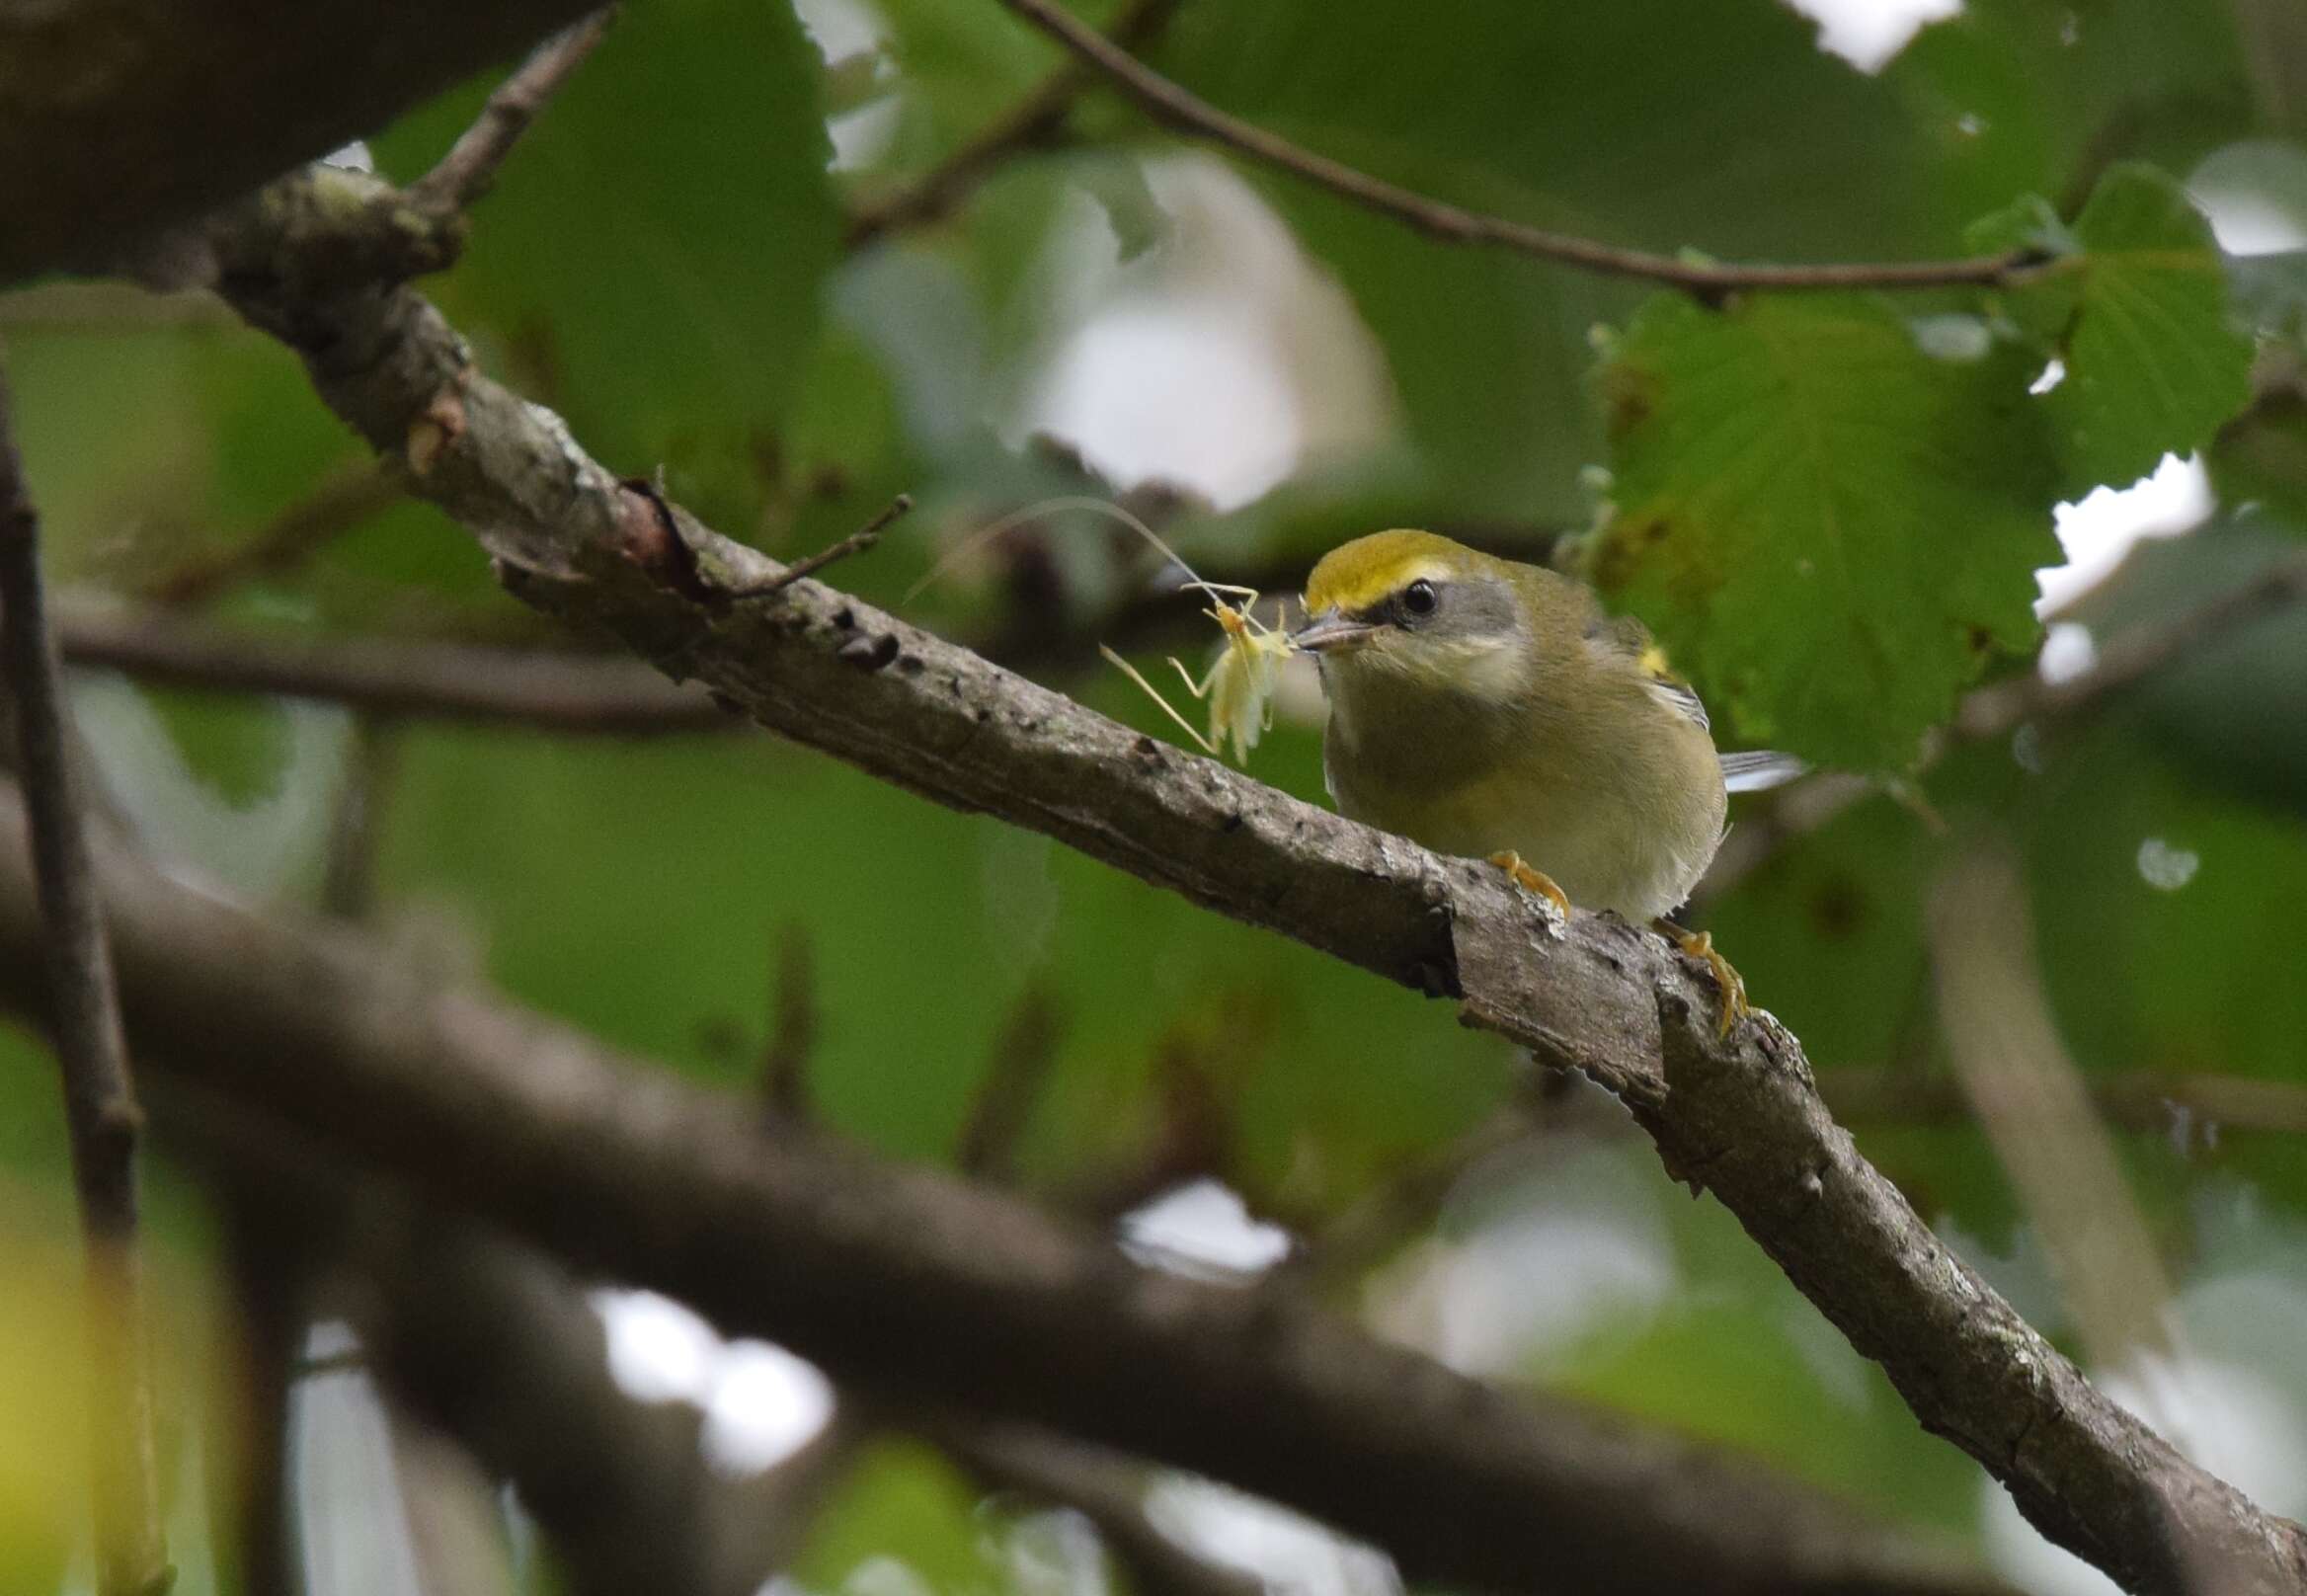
{"x":100,"y":1098}
{"x":1034,"y":121}
{"x":1737,"y":1115}
{"x":863,"y":538}
{"x":1186,"y":112}
{"x":122,"y":123}
{"x":552,"y":691}
{"x":919,"y":1286}
{"x":466,"y":172}
{"x":342,"y":501}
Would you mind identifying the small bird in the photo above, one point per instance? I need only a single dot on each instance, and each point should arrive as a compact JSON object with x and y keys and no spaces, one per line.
{"x":1491,"y":709}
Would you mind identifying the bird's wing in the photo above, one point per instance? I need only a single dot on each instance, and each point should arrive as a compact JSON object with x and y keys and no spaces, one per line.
{"x":1623,"y":638}
{"x":1758,"y":768}
{"x":1679,"y":697}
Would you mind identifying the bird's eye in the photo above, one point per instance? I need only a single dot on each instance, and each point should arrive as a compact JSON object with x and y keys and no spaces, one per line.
{"x":1419,"y":598}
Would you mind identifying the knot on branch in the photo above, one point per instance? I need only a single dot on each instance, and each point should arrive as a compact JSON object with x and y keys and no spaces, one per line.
{"x":321,"y":233}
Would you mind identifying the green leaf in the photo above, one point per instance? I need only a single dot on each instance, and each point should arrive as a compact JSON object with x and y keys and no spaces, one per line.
{"x":2142,"y":321}
{"x":901,"y":1501}
{"x":2261,"y":458}
{"x":1831,"y":527}
{"x":237,"y":748}
{"x":650,"y":260}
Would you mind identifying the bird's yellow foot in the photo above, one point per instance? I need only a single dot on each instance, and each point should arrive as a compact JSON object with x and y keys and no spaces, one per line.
{"x":1701,"y":946}
{"x":1536,"y":881}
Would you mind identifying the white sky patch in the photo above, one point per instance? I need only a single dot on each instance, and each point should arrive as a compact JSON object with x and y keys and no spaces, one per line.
{"x":861,"y":136}
{"x":353,"y":1526}
{"x":658,"y":1351}
{"x":2068,"y":651}
{"x":1183,"y":391}
{"x":1869,"y":33}
{"x":767,"y":1405}
{"x":760,"y":1402}
{"x":2249,"y":225}
{"x":2254,"y":193}
{"x":1055,"y":1552}
{"x":2098,"y":531}
{"x":1289,"y":1553}
{"x":1221,"y":359}
{"x":1200,"y":1228}
{"x":259,"y":847}
{"x":841,"y":27}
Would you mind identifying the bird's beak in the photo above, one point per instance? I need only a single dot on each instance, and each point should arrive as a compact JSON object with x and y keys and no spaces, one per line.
{"x":1330,"y":632}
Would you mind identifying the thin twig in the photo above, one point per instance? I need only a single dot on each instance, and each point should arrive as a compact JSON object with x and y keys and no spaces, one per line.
{"x":345,"y":500}
{"x":1035,"y":121}
{"x":2188,"y":1107}
{"x":99,"y":1095}
{"x":466,"y":172}
{"x":348,"y":887}
{"x":864,"y":537}
{"x":1190,"y":115}
{"x":2000,"y":709}
{"x":2029,"y":1099}
{"x":793,"y":1031}
{"x":1024,"y":1052}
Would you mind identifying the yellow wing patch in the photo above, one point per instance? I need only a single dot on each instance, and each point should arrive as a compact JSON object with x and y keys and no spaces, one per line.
{"x":1667,"y":688}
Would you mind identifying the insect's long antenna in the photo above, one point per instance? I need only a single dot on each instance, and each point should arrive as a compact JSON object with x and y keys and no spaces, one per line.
{"x":1093,"y":506}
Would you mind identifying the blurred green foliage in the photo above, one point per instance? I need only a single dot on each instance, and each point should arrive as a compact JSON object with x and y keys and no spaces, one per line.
{"x":1830,"y":508}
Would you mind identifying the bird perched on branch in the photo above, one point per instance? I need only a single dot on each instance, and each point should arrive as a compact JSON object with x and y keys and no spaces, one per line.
{"x":1487,"y":707}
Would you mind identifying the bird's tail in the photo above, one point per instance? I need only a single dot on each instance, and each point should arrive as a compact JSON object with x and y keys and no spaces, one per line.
{"x":1758,"y":768}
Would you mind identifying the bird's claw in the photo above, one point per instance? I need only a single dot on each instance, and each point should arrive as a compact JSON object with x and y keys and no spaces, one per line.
{"x":1533,"y":881}
{"x":1727,"y":982}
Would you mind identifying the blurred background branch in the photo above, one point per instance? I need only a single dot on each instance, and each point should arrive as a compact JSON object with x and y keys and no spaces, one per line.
{"x":536,"y":1128}
{"x":99,"y":1095}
